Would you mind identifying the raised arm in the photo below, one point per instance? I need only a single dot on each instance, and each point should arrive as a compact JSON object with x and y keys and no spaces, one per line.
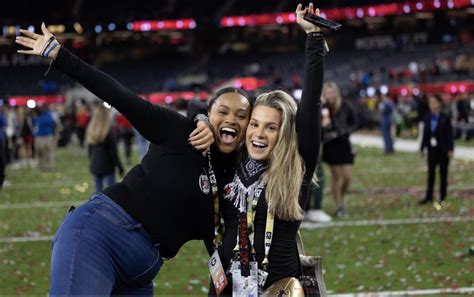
{"x":308,"y":117}
{"x":149,"y":119}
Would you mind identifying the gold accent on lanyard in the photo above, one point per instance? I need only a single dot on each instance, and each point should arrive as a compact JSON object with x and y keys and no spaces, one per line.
{"x":269,"y":225}
{"x":218,"y":221}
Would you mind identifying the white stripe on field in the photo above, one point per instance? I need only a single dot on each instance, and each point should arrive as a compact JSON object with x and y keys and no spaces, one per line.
{"x":43,"y":185}
{"x":304,"y":225}
{"x":405,"y":145}
{"x":311,"y":226}
{"x":47,"y":204}
{"x":25,"y":239}
{"x":441,"y":291}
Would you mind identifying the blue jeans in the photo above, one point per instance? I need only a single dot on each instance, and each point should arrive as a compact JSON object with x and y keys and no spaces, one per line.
{"x":99,"y":181}
{"x":386,"y":127}
{"x":101,"y":250}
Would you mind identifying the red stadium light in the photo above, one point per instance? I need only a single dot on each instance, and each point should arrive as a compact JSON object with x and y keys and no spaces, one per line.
{"x":155,"y":25}
{"x":249,"y":83}
{"x":168,"y":98}
{"x":437,"y":88}
{"x":347,"y":13}
{"x":23,"y":100}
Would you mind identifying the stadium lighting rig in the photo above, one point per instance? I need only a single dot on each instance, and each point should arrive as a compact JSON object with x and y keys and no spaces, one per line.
{"x":340,"y":14}
{"x":349,"y":13}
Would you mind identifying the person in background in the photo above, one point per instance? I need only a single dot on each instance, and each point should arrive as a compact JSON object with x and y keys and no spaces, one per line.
{"x":125,"y":132}
{"x":11,"y":132}
{"x":181,"y":106}
{"x":44,"y":131}
{"x":439,"y":141}
{"x":387,"y":109}
{"x":3,"y":141}
{"x":102,"y":148}
{"x":27,"y":138}
{"x":422,"y":110}
{"x":317,"y":214}
{"x":82,"y":120}
{"x":338,"y":122}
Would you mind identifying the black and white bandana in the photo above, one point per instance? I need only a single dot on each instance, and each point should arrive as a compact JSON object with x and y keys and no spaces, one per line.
{"x":248,"y":182}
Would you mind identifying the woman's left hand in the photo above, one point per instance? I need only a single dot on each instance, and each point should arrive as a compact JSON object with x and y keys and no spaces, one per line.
{"x":37,"y":44}
{"x":307,"y":26}
{"x":202,"y":137}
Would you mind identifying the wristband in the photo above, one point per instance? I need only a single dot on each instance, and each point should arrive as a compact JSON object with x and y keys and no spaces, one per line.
{"x":201,"y":117}
{"x":318,"y":34}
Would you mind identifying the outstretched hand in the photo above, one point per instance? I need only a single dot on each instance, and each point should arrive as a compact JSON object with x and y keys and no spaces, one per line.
{"x":307,"y":26}
{"x":202,"y":137}
{"x":44,"y":45}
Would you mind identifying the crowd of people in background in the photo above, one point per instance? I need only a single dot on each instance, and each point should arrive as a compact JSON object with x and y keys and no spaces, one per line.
{"x":452,"y":65}
{"x":404,"y":114}
{"x":29,"y":137}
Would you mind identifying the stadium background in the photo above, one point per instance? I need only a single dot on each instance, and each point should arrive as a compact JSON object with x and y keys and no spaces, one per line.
{"x":178,"y":49}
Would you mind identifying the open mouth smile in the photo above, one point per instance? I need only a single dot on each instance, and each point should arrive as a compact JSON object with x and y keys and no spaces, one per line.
{"x":258,"y":145}
{"x":228,"y":135}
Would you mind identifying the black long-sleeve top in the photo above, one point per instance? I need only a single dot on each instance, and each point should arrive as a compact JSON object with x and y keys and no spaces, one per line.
{"x":103,"y":157}
{"x":163,"y":192}
{"x":283,"y":255}
{"x":343,"y":123}
{"x":443,"y":133}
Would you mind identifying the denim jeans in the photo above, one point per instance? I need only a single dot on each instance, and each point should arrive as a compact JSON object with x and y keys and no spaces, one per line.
{"x":386,"y":127}
{"x":101,"y":250}
{"x":99,"y":181}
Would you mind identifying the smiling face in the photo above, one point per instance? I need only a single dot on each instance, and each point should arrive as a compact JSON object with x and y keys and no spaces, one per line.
{"x":262,"y":132}
{"x":229,"y":115}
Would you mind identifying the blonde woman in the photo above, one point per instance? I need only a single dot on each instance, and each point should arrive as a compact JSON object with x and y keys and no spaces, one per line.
{"x":271,"y":184}
{"x":102,"y":148}
{"x":339,"y":121}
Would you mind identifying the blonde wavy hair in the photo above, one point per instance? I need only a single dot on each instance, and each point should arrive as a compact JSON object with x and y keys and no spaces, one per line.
{"x":285,"y":174}
{"x":334,"y":107}
{"x":99,"y":125}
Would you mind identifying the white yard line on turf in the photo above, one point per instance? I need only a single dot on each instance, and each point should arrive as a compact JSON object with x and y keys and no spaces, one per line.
{"x":441,"y":291}
{"x":25,"y":239}
{"x":311,"y":226}
{"x":304,"y":225}
{"x":405,"y":145}
{"x":45,"y":204}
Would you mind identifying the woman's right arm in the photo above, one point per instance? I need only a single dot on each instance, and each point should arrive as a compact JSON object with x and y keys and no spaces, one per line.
{"x":149,"y":119}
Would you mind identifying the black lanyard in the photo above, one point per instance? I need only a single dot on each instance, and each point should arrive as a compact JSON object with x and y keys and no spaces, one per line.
{"x":218,"y":223}
{"x":247,"y":229}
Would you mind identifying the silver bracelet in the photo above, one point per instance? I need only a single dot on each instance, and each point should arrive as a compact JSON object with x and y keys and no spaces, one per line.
{"x":201,"y":117}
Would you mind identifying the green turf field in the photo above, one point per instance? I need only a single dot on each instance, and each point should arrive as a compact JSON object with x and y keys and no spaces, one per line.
{"x":367,"y":258}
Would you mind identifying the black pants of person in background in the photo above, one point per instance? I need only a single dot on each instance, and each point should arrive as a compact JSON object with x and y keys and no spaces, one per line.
{"x":3,"y":162}
{"x":127,"y":135}
{"x":441,"y":159}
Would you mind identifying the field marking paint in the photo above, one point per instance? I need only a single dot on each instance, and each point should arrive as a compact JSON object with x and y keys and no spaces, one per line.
{"x":25,"y":239}
{"x":405,"y":145}
{"x":45,"y":204}
{"x":441,"y":291}
{"x":304,"y":225}
{"x":312,"y":226}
